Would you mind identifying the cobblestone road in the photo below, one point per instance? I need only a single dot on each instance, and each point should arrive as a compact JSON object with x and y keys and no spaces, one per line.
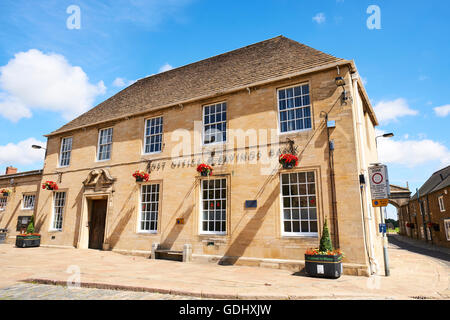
{"x":28,"y":291}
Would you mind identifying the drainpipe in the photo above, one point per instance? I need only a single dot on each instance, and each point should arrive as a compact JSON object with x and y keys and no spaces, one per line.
{"x":373,"y":263}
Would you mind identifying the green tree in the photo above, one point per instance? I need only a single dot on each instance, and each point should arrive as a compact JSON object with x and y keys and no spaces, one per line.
{"x":325,"y":240}
{"x":30,"y":228}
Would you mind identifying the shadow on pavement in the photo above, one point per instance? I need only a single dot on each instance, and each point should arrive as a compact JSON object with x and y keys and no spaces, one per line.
{"x":411,"y":247}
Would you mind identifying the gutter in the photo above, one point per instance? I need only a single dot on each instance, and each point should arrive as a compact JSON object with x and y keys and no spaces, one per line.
{"x":22,"y":174}
{"x":232,"y":90}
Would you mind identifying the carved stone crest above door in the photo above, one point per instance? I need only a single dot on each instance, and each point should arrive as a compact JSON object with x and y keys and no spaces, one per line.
{"x":99,"y":179}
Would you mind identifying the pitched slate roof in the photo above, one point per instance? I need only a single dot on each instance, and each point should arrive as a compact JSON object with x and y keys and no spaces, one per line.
{"x":257,"y":62}
{"x":438,"y":180}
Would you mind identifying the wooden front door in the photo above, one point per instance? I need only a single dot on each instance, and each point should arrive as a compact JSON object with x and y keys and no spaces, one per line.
{"x":97,"y":224}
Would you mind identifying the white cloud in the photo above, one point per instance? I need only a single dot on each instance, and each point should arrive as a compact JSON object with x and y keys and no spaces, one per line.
{"x":22,"y":153}
{"x":121,"y":82}
{"x":319,"y":18}
{"x":165,"y":67}
{"x":411,"y":153}
{"x":442,"y":111}
{"x":388,"y":111}
{"x":33,"y":80}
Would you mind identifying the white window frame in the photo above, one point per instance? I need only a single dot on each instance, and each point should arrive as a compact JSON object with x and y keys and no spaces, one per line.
{"x":54,"y":210}
{"x":99,"y":145}
{"x":441,"y":203}
{"x":62,"y":152}
{"x":24,"y":197}
{"x":3,"y":203}
{"x":447,"y":228}
{"x":153,"y":135}
{"x":201,"y":208}
{"x":215,"y":123}
{"x":292,"y":233}
{"x":303,"y":106}
{"x":158,"y":204}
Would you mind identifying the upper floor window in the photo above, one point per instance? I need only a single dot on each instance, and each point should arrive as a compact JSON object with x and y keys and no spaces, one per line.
{"x":59,"y":202}
{"x":294,"y":107}
{"x":3,"y":201}
{"x":28,"y":201}
{"x":441,"y":203}
{"x":214,"y":204}
{"x":66,"y":149}
{"x":104,"y":144}
{"x":215,"y":123}
{"x":153,"y":135}
{"x":299,"y":205}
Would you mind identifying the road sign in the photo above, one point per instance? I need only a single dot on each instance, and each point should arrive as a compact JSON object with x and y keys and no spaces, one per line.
{"x":379,"y":182}
{"x":382,"y":227}
{"x":380,"y":203}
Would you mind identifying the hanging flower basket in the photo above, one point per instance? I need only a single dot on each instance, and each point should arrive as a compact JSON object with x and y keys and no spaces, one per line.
{"x":5,"y":192}
{"x":288,"y":161}
{"x":141,"y":176}
{"x":50,"y":185}
{"x":205,"y":170}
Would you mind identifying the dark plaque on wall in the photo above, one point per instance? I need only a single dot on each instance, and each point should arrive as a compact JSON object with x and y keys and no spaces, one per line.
{"x":22,"y":222}
{"x":251,"y":203}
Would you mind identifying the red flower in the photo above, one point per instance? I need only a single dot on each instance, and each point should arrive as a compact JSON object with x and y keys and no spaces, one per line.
{"x":142,"y":175}
{"x":205,"y":168}
{"x":50,"y":185}
{"x":288,"y":158}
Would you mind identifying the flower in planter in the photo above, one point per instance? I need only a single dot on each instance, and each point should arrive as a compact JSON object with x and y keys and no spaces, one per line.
{"x":50,"y":185}
{"x":325,"y":247}
{"x":6,"y":192}
{"x":288,"y":160}
{"x":204,"y":169}
{"x":430,"y":224}
{"x":141,"y":176}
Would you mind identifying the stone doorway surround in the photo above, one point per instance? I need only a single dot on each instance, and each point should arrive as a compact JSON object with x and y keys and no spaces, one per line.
{"x":99,"y":185}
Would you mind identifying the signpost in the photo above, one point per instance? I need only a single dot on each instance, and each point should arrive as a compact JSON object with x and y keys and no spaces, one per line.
{"x":380,"y":191}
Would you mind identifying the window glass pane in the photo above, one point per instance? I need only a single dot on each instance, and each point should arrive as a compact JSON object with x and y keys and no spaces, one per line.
{"x":214,"y":199}
{"x":294,"y":99}
{"x":149,"y":207}
{"x":299,"y":206}
{"x":153,"y":135}
{"x":214,"y":123}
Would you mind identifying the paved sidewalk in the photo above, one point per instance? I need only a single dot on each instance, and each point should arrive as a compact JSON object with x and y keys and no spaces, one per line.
{"x":444,"y":253}
{"x":412,"y":275}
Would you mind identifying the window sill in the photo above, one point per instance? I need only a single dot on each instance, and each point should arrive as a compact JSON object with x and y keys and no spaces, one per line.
{"x":147,"y":232}
{"x":300,"y":236}
{"x":293,"y":132}
{"x":54,"y":230}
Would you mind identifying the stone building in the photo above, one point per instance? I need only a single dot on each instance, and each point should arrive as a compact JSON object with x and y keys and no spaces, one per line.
{"x":17,"y":208}
{"x":428,"y":218}
{"x":237,"y":112}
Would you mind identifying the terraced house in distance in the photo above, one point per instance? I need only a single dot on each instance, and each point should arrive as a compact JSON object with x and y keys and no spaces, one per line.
{"x":236,"y":112}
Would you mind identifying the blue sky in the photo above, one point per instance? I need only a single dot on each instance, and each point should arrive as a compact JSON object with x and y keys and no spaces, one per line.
{"x":405,"y":64}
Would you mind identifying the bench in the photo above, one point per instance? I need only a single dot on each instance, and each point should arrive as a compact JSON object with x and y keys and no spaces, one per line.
{"x":167,"y":254}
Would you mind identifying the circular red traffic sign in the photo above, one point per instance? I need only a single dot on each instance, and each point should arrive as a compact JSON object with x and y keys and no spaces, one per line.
{"x":377,"y":178}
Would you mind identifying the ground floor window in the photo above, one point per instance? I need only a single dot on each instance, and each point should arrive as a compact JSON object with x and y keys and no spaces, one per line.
{"x":28,"y":201}
{"x":214,"y":206}
{"x":298,"y":203}
{"x":447,"y":228}
{"x":58,"y":210}
{"x":149,"y":208}
{"x":3,"y":201}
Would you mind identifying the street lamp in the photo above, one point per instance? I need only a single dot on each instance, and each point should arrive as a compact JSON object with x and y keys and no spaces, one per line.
{"x":386,"y":135}
{"x":34,"y":146}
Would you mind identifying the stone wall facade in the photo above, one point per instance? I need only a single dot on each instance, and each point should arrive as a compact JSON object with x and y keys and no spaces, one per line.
{"x":253,"y":236}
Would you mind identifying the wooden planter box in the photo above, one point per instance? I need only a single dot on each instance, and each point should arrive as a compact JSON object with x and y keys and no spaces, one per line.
{"x":323,"y":266}
{"x":28,"y":241}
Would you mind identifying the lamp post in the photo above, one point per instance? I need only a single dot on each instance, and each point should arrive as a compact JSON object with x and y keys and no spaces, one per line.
{"x":383,"y":221}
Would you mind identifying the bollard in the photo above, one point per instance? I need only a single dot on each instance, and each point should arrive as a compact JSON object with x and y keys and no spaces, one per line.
{"x":155,"y":246}
{"x":187,"y":253}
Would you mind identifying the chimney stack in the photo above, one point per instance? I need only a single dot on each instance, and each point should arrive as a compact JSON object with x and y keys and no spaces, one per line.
{"x":11,"y":170}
